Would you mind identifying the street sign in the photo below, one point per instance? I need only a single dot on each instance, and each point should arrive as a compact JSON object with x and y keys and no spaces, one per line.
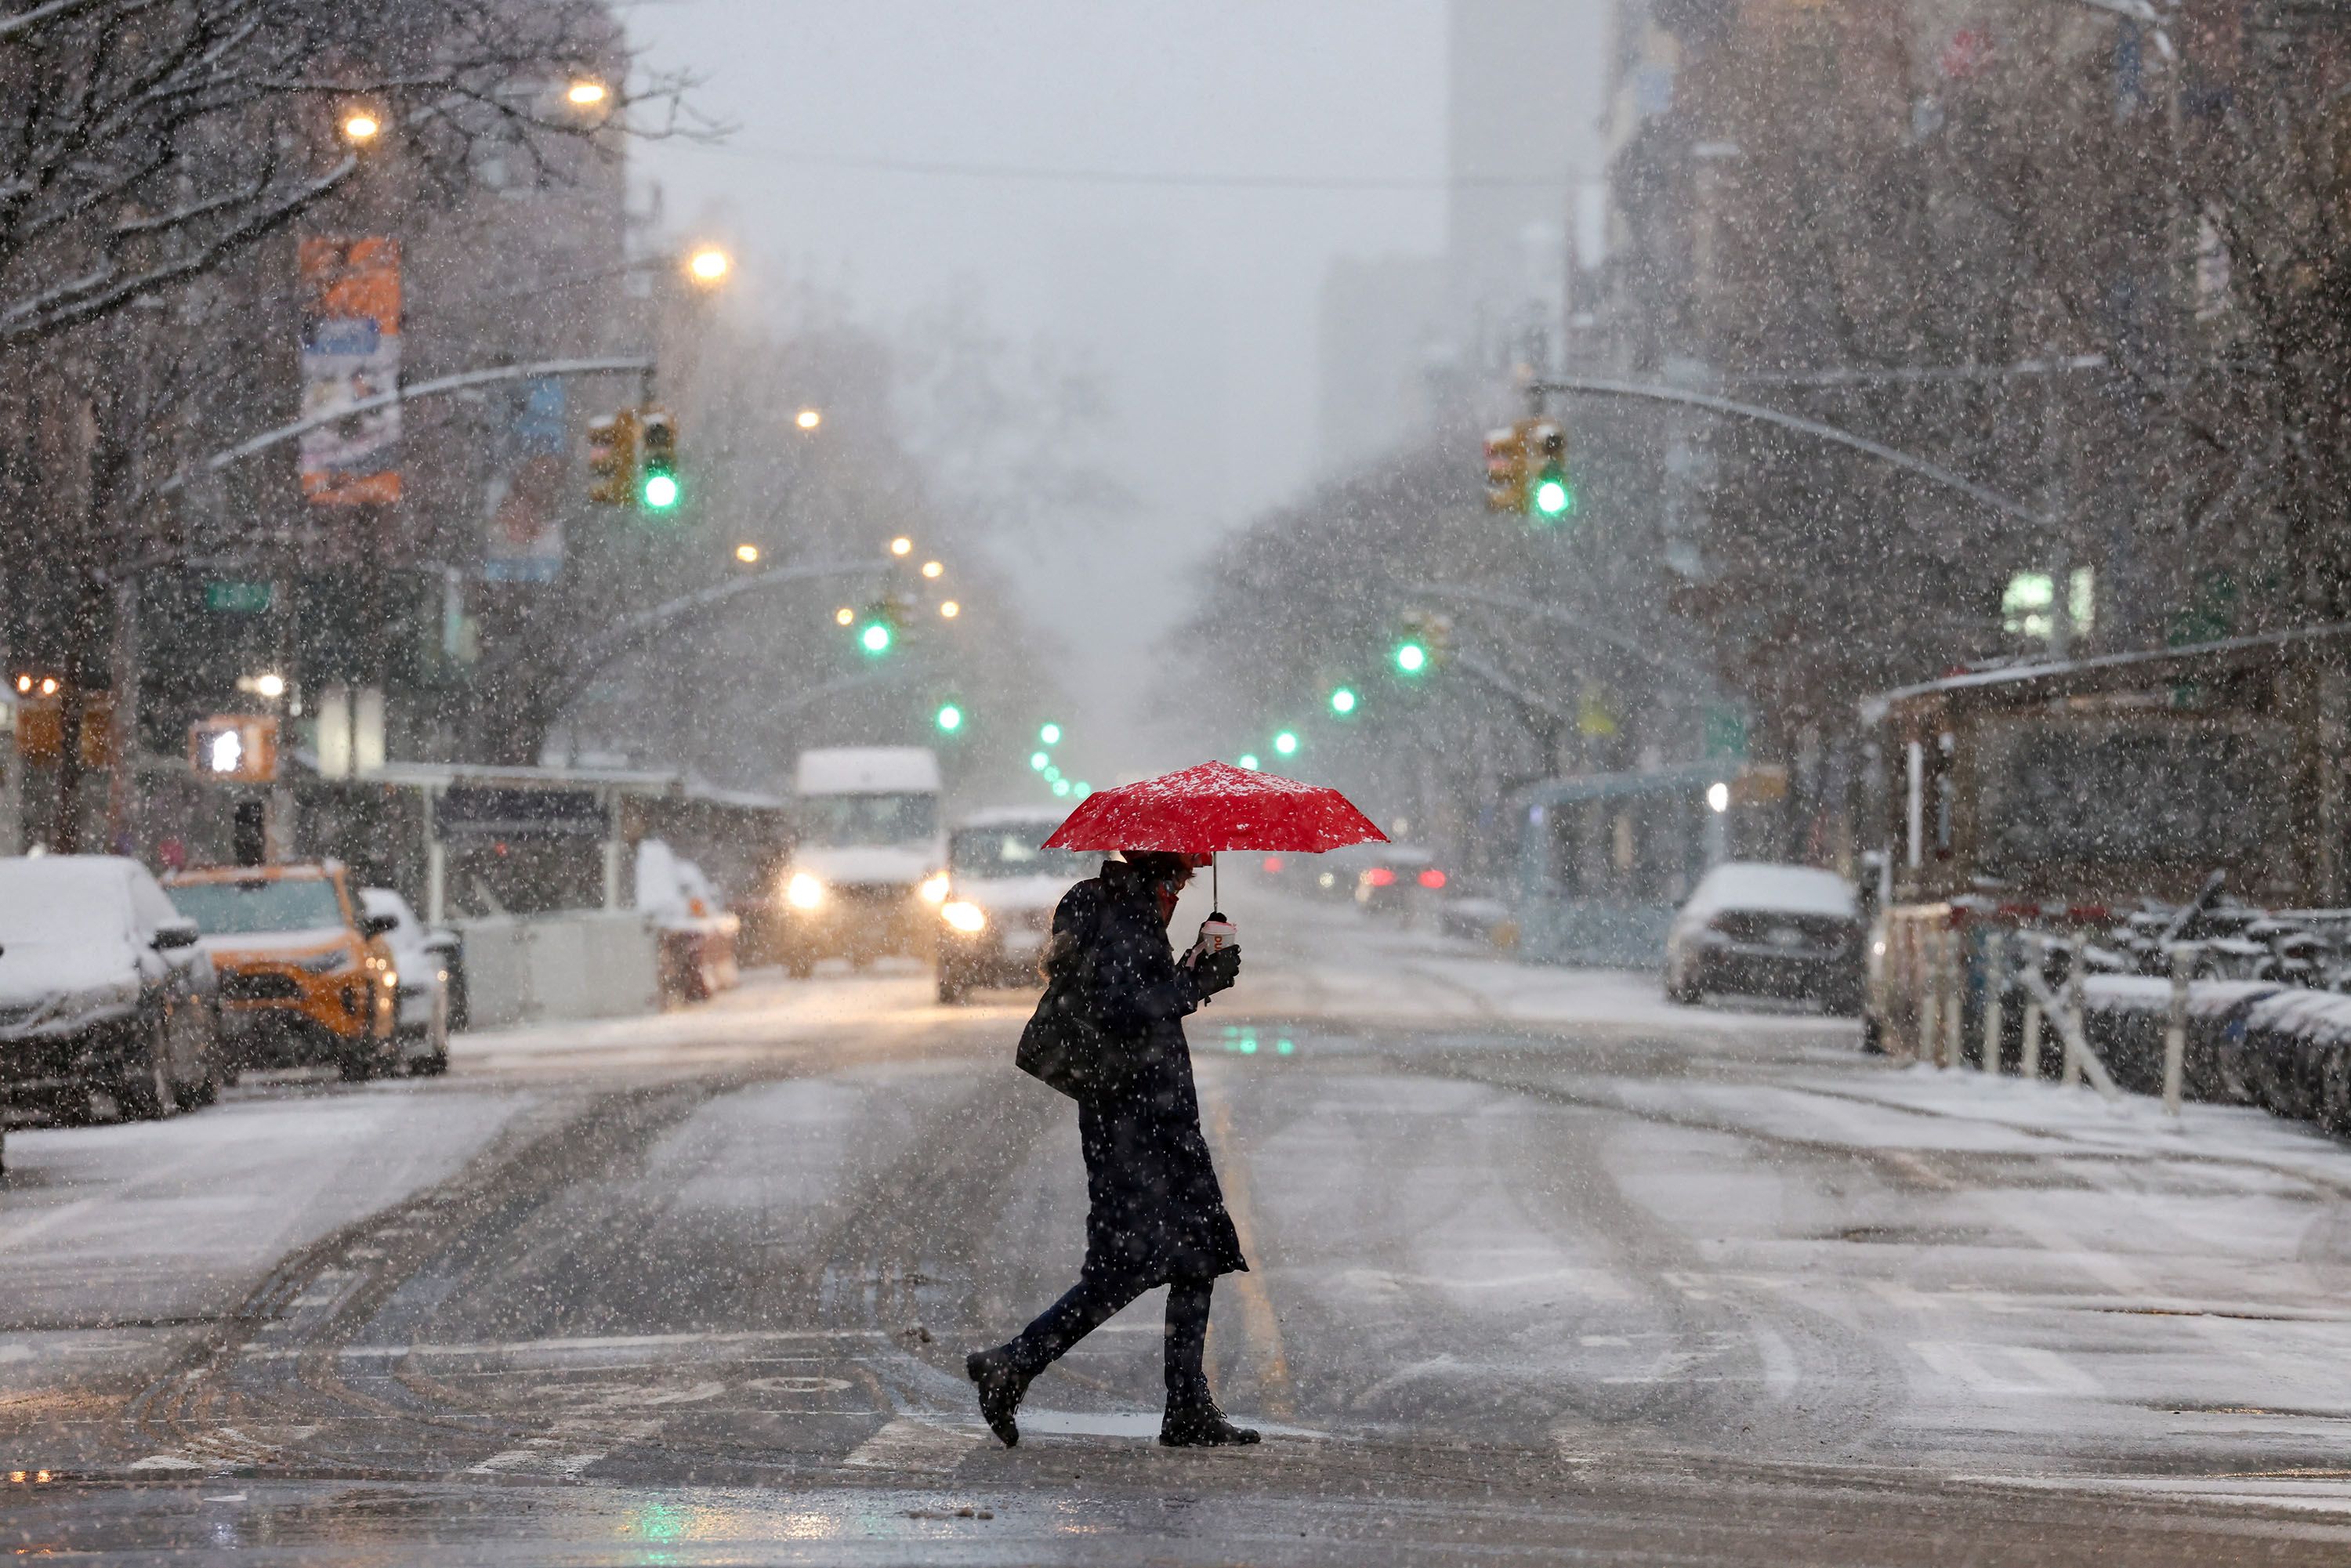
{"x":237,"y":598}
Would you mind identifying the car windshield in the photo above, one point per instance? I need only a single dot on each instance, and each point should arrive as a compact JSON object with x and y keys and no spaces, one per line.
{"x":242,"y":908}
{"x":46,"y":904}
{"x":1012,"y":852}
{"x":839,"y":821}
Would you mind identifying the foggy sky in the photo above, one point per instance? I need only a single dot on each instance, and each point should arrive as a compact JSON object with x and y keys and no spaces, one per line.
{"x":1198,"y":303}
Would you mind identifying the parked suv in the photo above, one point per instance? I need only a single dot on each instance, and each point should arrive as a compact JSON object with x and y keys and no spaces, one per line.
{"x":103,"y":991}
{"x":1777,"y":930}
{"x":306,"y":977}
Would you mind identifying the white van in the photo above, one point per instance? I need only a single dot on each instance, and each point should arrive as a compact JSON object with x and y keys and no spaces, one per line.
{"x":868,"y":871}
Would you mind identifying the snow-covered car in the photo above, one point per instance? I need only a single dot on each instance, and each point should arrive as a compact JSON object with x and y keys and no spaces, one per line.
{"x":1768,"y":930}
{"x":1001,"y":891}
{"x":103,"y":991}
{"x":420,"y":957}
{"x":697,"y":931}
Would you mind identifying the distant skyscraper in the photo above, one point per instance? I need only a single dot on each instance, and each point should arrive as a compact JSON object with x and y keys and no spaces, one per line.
{"x":1525,"y":86}
{"x":1383,"y":324}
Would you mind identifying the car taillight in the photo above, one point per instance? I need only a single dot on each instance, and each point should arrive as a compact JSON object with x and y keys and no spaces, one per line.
{"x":1432,"y":879}
{"x":1379,"y":876}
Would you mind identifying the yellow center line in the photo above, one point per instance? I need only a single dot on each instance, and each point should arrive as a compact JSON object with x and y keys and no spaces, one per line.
{"x":1256,"y":1306}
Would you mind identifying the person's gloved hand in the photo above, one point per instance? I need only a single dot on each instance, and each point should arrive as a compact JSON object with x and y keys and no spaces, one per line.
{"x":1214,"y":972}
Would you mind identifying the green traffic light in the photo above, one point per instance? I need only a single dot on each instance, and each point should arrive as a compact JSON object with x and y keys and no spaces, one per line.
{"x":1553,"y":498}
{"x":1061,"y":786}
{"x":1286,"y":742}
{"x":1038,"y":761}
{"x":1411,"y":658}
{"x":660,"y":492}
{"x":950,"y":718}
{"x":875,"y":638}
{"x":1052,"y":774}
{"x":1343,"y":701}
{"x":1249,"y":761}
{"x":1050,"y":733}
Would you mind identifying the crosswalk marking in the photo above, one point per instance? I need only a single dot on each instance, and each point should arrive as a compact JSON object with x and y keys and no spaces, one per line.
{"x":907,"y":1444}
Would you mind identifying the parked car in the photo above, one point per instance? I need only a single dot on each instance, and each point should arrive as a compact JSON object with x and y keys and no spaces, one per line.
{"x":420,"y":956}
{"x":306,"y":977}
{"x":1769,"y":930}
{"x":1001,"y":892}
{"x":103,"y":991}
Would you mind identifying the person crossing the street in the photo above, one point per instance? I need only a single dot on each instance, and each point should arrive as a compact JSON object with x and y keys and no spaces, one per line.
{"x":1110,"y":1033}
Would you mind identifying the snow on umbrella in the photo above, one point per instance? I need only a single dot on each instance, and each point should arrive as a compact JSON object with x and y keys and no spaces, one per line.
{"x":1214,"y":807}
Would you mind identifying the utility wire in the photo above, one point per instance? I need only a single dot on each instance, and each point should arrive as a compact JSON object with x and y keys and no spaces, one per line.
{"x":1065,"y":175}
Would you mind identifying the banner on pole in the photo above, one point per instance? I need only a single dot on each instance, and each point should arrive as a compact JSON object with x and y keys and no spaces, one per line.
{"x":350,"y":351}
{"x":523,"y":511}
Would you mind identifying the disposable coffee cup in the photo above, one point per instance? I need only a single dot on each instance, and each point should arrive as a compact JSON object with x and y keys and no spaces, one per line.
{"x":1216,"y":933}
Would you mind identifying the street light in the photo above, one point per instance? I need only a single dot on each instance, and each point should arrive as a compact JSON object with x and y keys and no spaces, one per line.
{"x":902,"y":546}
{"x":708,"y":265}
{"x":361,"y":126}
{"x":843,"y":616}
{"x":949,"y":610}
{"x":1718,"y":796}
{"x":932,"y":568}
{"x":747,"y":554}
{"x":809,"y":418}
{"x":586,"y":93}
{"x":272,"y":685}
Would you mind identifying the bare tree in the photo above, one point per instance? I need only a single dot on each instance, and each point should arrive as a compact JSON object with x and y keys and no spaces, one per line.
{"x":145,"y":142}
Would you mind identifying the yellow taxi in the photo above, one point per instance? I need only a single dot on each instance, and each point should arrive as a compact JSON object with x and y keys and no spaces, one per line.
{"x":305,"y":977}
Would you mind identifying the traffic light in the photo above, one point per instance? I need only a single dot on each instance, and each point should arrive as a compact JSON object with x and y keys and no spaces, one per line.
{"x":1551,"y":495}
{"x":233,"y":748}
{"x":1342,"y":700}
{"x":1286,"y":743}
{"x":613,"y":458}
{"x":875,"y":637}
{"x":1427,"y":643}
{"x":1506,"y":469}
{"x":949,"y":718}
{"x":657,"y":482}
{"x":1049,"y":733}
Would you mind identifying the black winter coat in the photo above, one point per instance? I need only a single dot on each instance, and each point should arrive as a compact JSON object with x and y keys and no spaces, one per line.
{"x":1156,"y":1212}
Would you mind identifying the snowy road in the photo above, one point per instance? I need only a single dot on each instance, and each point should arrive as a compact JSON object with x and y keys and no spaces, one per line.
{"x":1545,"y":1268}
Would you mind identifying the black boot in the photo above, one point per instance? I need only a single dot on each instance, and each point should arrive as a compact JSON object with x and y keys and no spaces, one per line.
{"x":1000,"y":1387}
{"x":1195,"y":1422}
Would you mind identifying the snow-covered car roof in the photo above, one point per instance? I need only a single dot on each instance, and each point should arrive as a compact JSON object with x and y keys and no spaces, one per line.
{"x":867,"y":771}
{"x":1784,"y":889}
{"x":52,"y":895}
{"x":1011,"y":817}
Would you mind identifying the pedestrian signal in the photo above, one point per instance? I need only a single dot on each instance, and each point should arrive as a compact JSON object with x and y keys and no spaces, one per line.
{"x":613,"y":458}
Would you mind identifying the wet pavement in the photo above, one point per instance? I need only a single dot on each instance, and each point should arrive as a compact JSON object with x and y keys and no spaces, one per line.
{"x":1544,"y":1270}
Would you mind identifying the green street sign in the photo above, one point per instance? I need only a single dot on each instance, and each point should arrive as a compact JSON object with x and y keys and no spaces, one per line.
{"x":1725,"y":734}
{"x":237,"y":598}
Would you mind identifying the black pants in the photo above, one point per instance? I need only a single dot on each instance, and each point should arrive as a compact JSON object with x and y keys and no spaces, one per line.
{"x":1093,"y":1301}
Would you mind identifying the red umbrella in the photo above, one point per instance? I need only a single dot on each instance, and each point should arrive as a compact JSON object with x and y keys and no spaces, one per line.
{"x":1214,"y":807}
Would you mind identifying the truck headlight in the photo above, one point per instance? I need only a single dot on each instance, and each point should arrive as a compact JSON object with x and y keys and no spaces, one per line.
{"x":967,"y":918}
{"x":935,"y":891}
{"x":803,"y":891}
